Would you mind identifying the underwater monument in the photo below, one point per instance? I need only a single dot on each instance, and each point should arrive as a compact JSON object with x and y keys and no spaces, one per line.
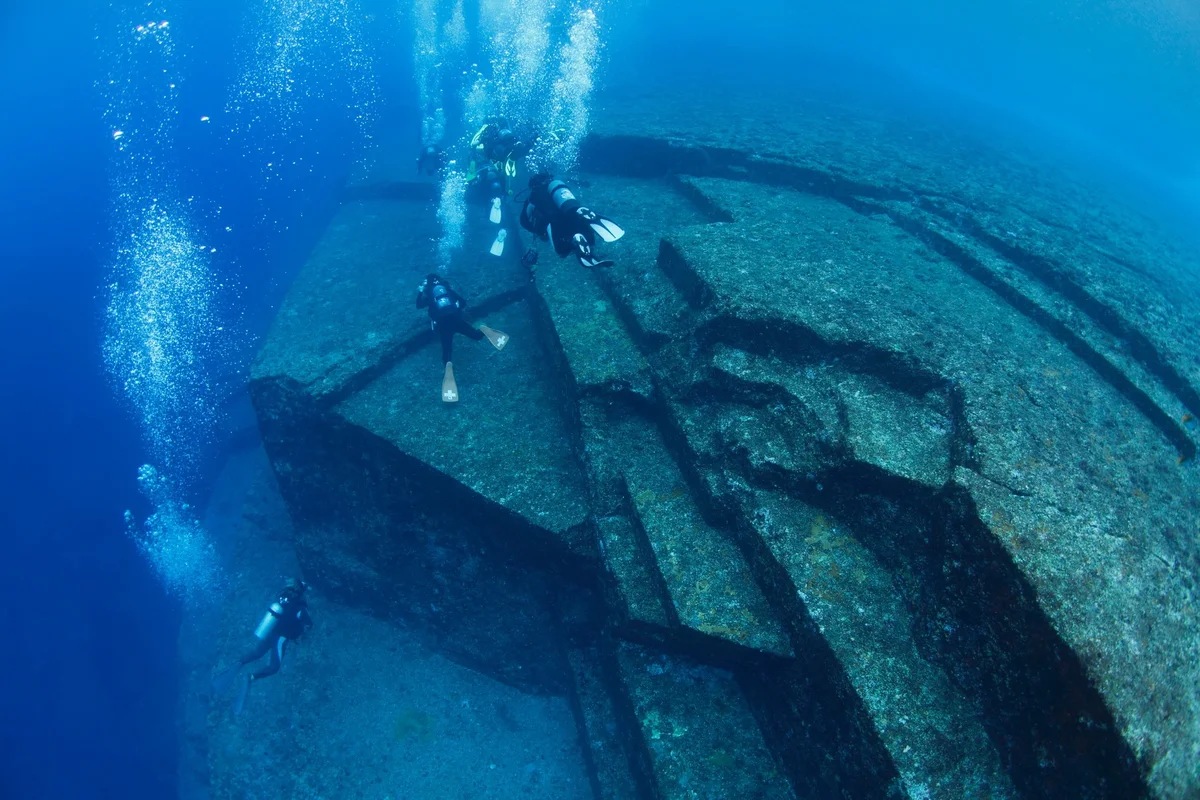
{"x":866,"y":471}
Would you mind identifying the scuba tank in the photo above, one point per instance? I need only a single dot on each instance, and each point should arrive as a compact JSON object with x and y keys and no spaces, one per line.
{"x":559,"y":193}
{"x":270,"y":621}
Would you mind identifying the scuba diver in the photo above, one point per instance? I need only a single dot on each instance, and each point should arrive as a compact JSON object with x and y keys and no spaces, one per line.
{"x":446,"y":319}
{"x":431,"y":161}
{"x":286,"y":620}
{"x":552,"y":213}
{"x":495,"y":150}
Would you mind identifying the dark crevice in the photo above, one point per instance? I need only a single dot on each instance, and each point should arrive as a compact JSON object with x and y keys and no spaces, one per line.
{"x":799,"y":345}
{"x":647,"y":157}
{"x":1053,"y":277}
{"x":979,"y":619}
{"x":807,"y":707}
{"x":1108,"y":371}
{"x":682,"y":276}
{"x":586,"y":735}
{"x":703,"y":203}
{"x":629,"y":727}
{"x":963,"y":442}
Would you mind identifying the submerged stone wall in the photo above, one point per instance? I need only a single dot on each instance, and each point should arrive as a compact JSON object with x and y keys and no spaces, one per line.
{"x":851,"y":478}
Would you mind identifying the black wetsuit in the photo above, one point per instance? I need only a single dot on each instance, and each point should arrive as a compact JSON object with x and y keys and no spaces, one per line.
{"x":290,"y":621}
{"x":551,"y":211}
{"x":446,"y":315}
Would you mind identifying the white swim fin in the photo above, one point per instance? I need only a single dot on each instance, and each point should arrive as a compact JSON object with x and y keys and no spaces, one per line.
{"x":497,"y":338}
{"x":498,"y":245}
{"x":449,"y":385}
{"x":494,"y":216}
{"x":606,"y":229}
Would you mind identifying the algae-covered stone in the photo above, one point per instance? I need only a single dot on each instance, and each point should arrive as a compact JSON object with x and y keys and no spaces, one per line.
{"x":930,"y":729}
{"x":603,"y":745}
{"x":505,"y":439}
{"x":633,"y":571}
{"x":600,"y":354}
{"x":706,"y":577}
{"x":831,"y":397}
{"x":701,"y":737}
{"x":351,"y":304}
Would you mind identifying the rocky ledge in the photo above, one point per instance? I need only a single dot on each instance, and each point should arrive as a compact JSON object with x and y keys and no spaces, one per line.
{"x":857,"y":476}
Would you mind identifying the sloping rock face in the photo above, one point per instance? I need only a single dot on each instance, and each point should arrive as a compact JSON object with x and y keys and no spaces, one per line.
{"x":858,"y":475}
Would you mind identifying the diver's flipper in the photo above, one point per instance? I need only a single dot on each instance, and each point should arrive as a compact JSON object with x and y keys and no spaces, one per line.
{"x":498,"y":245}
{"x":449,"y":387}
{"x":606,"y":229}
{"x":497,"y":338}
{"x":224,"y":680}
{"x":240,"y":702}
{"x":590,"y":261}
{"x":494,"y":216}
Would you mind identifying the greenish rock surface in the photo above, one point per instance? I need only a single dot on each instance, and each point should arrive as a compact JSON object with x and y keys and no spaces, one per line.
{"x":699,"y":735}
{"x":599,"y":730}
{"x":505,"y":439}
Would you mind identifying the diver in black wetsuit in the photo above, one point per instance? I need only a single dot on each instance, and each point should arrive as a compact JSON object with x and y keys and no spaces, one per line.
{"x":495,"y":153}
{"x":446,"y":319}
{"x":286,"y":620}
{"x":552,"y":213}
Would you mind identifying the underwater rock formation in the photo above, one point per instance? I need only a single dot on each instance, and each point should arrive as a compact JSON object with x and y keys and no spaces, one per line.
{"x":860,"y":474}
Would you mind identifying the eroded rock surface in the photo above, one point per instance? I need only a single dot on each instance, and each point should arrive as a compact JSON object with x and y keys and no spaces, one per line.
{"x":863,"y":473}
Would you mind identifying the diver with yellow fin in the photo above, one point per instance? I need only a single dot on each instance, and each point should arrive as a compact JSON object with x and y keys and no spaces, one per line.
{"x":552,"y":213}
{"x":495,"y":151}
{"x":446,"y":319}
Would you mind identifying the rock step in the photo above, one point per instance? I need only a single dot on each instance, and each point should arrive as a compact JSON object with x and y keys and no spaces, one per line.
{"x":600,"y":355}
{"x":1102,"y":261}
{"x":353,"y":301}
{"x":646,"y":298}
{"x":634,"y":574}
{"x":599,"y":732}
{"x":930,"y":730}
{"x":709,"y":585}
{"x":656,"y":545}
{"x":842,"y":302}
{"x":350,"y":311}
{"x":505,"y":439}
{"x":694,"y":729}
{"x":1091,"y":335}
{"x":855,"y":413}
{"x":816,"y":570}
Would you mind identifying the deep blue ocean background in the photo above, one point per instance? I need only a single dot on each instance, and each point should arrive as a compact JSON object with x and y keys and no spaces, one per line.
{"x":88,"y":685}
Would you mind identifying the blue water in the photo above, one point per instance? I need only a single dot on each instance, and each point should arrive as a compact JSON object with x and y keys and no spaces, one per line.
{"x":88,"y":675}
